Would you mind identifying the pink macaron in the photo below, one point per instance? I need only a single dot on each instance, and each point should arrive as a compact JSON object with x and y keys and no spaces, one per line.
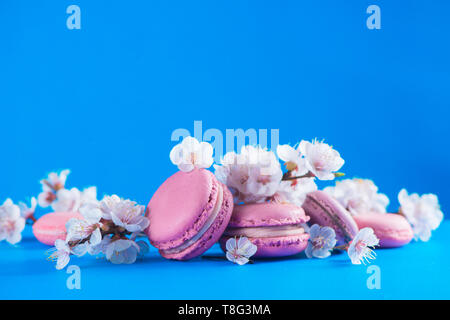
{"x":52,"y":226}
{"x":326,"y":211}
{"x":274,"y":228}
{"x":393,"y":230}
{"x":188,"y":214}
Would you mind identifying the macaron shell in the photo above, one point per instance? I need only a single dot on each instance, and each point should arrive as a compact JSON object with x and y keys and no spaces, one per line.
{"x":276,"y":246}
{"x":267,"y":215}
{"x":52,"y":226}
{"x":180,"y":207}
{"x":324,"y":210}
{"x":393,"y":230}
{"x":212,"y":235}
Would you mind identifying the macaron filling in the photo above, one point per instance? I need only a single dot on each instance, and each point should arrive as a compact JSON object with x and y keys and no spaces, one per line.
{"x":51,"y":232}
{"x":266,"y":232}
{"x":212,"y":217}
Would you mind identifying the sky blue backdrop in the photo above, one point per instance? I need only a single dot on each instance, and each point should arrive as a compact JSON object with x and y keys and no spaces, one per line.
{"x":104,"y":100}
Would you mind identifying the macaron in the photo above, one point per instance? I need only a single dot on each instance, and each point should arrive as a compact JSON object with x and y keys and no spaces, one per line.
{"x":188,"y":214}
{"x":393,"y":230}
{"x":52,"y":226}
{"x":326,"y":211}
{"x":275,"y":228}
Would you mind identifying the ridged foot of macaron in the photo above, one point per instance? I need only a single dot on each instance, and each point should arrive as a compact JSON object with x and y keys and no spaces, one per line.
{"x":188,"y":214}
{"x":275,"y":228}
{"x":326,"y":211}
{"x":276,"y":246}
{"x":393,"y":230}
{"x":52,"y":226}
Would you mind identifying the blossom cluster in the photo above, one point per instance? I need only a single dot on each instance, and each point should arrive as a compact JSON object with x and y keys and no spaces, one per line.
{"x":255,"y":174}
{"x":13,"y":217}
{"x":109,"y":227}
{"x":423,"y":213}
{"x":360,"y":196}
{"x":11,"y":222}
{"x":55,"y":195}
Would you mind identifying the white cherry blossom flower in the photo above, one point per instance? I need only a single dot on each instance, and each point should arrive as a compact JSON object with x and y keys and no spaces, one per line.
{"x":71,"y":200}
{"x":321,"y":241}
{"x":46,"y":197}
{"x":107,"y":205}
{"x":122,"y":251}
{"x":61,"y":253}
{"x":89,"y":227}
{"x":293,"y":159}
{"x":191,"y":154}
{"x":294,"y":191}
{"x":254,"y":174}
{"x":99,"y":248}
{"x":56,"y":181}
{"x":423,"y":213}
{"x":359,"y":196}
{"x":67,"y":200}
{"x":361,"y":249}
{"x":50,"y":186}
{"x":321,"y":159}
{"x":11,"y":222}
{"x":123,"y":213}
{"x":28,"y":212}
{"x":128,"y":215}
{"x":88,"y":196}
{"x":240,"y":250}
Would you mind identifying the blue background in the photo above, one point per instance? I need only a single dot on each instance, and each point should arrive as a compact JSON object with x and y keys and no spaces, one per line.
{"x":104,"y":101}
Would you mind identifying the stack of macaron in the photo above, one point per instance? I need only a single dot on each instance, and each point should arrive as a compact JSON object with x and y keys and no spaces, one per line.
{"x":192,"y":210}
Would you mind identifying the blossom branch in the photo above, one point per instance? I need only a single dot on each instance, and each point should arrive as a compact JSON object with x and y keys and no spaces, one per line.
{"x":287,"y":176}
